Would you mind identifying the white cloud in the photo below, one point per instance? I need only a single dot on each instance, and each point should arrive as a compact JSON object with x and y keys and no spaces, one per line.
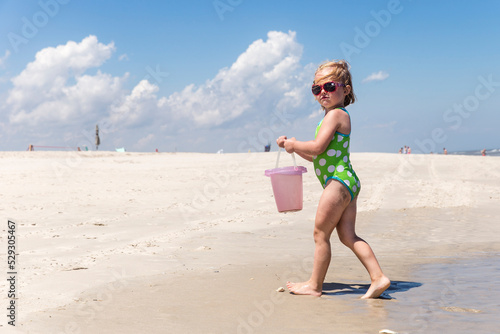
{"x":43,"y":91}
{"x":376,"y":76}
{"x":63,"y":61}
{"x":4,"y":58}
{"x":123,"y":57}
{"x":133,"y":107}
{"x":72,"y":104}
{"x":261,"y":76}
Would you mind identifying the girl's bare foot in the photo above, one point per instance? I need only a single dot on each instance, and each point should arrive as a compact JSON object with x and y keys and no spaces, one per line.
{"x":377,"y":288}
{"x":304,"y":288}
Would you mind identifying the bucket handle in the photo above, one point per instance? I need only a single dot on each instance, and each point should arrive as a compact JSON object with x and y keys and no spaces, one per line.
{"x":293,"y":158}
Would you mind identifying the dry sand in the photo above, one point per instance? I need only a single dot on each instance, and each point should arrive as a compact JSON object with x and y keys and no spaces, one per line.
{"x":192,"y":243}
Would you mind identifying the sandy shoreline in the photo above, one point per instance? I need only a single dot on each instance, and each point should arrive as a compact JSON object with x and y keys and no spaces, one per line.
{"x":193,"y":243}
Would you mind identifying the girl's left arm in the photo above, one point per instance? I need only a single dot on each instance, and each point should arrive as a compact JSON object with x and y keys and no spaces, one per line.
{"x":320,"y":143}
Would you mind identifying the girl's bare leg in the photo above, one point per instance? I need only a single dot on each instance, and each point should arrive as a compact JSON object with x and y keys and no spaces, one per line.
{"x":333,"y":202}
{"x":347,"y":235}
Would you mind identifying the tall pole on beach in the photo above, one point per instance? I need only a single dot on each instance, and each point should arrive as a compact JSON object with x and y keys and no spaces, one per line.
{"x":97,"y":139}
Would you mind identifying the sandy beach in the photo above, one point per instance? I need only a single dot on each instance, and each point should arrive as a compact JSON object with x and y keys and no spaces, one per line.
{"x":113,"y":242}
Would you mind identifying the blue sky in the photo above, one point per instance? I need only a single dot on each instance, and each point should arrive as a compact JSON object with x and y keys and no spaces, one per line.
{"x":235,"y":74}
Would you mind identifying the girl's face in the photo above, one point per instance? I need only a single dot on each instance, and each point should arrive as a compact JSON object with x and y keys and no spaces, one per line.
{"x":330,"y":100}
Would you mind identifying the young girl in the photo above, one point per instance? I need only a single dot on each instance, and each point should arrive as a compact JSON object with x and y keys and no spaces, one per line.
{"x":329,"y":151}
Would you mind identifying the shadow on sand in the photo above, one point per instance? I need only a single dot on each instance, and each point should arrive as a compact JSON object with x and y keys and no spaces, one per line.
{"x":337,"y":289}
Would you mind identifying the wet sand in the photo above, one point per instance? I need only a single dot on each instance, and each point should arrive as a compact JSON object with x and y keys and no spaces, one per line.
{"x":458,"y":297}
{"x":153,"y":243}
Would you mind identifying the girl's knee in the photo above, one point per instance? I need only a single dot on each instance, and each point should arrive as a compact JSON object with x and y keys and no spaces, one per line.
{"x":320,"y":236}
{"x":347,"y":240}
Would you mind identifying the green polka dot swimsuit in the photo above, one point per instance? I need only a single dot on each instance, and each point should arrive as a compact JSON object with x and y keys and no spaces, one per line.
{"x":334,"y":163}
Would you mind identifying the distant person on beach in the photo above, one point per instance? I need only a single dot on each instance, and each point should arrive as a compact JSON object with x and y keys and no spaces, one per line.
{"x":445,"y":151}
{"x":329,"y":151}
{"x":483,"y":152}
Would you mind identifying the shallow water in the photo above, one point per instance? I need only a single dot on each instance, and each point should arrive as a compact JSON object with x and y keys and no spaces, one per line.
{"x":461,"y":297}
{"x":493,"y":152}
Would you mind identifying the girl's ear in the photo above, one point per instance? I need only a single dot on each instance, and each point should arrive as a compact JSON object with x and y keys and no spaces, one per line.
{"x":347,"y":90}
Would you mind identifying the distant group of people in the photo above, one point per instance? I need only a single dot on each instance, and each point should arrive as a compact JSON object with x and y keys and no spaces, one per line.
{"x":405,"y":150}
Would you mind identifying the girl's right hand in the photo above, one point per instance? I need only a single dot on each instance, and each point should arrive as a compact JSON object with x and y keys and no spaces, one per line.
{"x":281,"y":141}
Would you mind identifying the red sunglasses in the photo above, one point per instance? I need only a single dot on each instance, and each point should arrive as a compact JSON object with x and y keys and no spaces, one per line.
{"x":328,"y":87}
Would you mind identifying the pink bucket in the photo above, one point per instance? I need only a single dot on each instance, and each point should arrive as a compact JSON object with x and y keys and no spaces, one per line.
{"x":287,"y":187}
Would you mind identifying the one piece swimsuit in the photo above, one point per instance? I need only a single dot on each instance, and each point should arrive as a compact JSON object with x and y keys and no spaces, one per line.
{"x":334,"y":163}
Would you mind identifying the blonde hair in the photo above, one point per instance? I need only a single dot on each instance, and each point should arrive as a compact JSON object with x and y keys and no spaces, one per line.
{"x":339,"y":73}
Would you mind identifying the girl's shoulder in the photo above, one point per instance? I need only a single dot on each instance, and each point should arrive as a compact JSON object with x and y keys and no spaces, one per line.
{"x":338,"y":114}
{"x":338,"y":120}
